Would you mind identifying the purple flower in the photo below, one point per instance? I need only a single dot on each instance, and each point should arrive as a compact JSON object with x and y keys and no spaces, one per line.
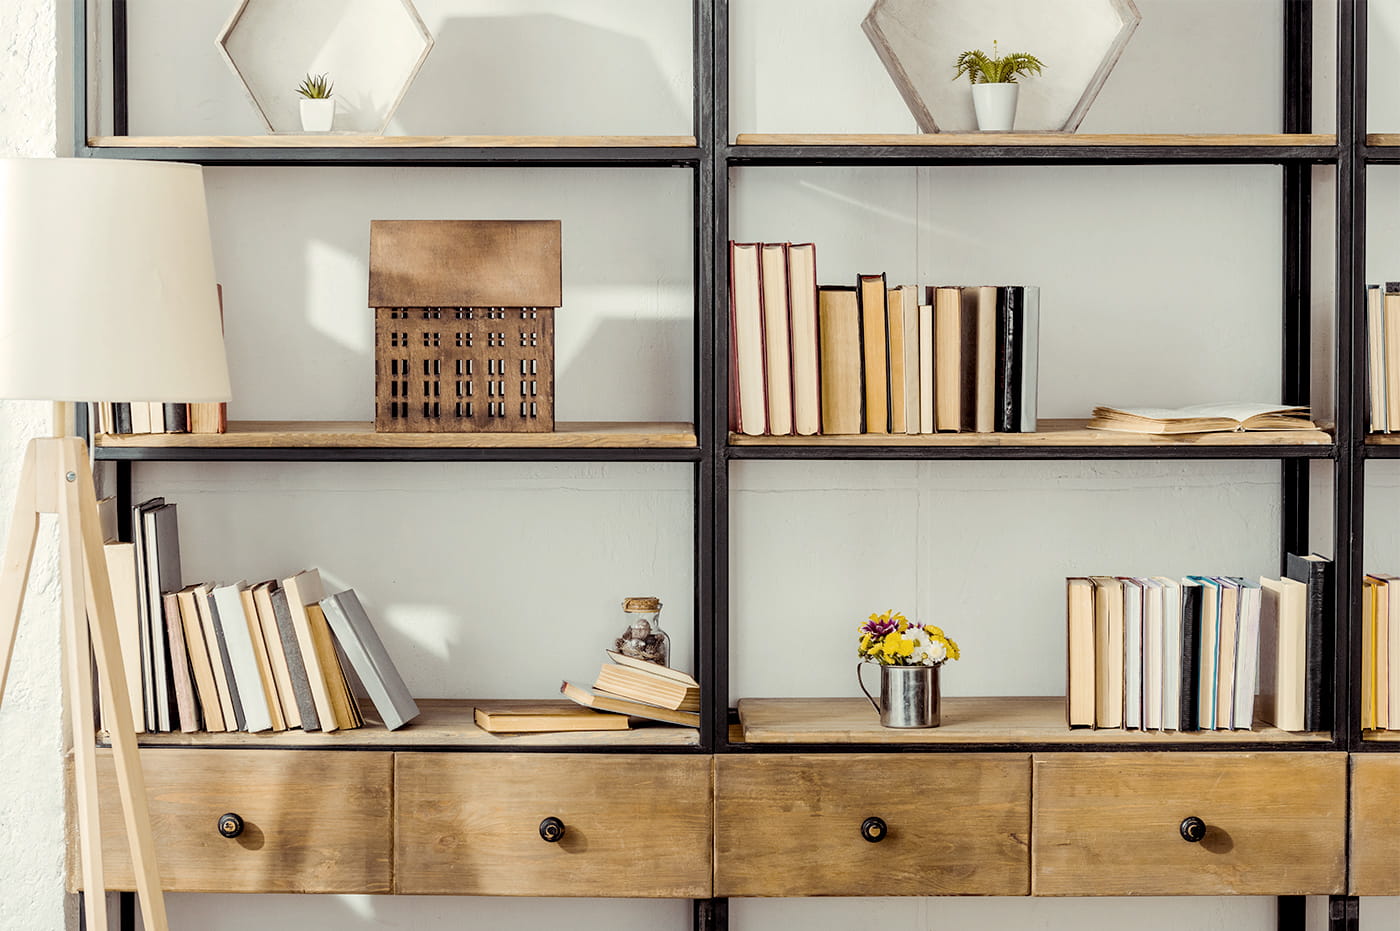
{"x":879,"y":625}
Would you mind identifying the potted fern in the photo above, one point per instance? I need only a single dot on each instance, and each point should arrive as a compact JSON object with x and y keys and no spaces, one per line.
{"x":317,"y":104}
{"x":994,"y":87}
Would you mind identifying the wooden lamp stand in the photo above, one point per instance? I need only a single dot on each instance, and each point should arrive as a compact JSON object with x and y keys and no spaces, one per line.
{"x":56,"y":479}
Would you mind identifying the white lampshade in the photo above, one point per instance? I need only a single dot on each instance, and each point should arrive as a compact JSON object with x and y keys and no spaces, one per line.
{"x":107,"y":289}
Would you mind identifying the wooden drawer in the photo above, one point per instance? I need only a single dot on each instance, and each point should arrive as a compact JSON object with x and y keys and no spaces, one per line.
{"x":1375,"y":824}
{"x":314,"y":821}
{"x":1110,"y":824}
{"x":636,"y":826}
{"x":791,"y":825}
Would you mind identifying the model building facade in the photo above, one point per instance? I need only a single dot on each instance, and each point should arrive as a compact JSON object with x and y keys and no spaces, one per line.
{"x":464,"y":324}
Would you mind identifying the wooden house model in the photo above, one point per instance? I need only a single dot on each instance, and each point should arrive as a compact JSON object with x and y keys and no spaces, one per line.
{"x":464,"y":324}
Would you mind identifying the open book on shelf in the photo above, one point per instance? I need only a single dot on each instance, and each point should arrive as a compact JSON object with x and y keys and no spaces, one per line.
{"x":1230,"y":416}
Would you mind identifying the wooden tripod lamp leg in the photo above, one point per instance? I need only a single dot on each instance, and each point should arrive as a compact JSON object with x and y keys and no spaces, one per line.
{"x":78,"y":676}
{"x":79,"y":517}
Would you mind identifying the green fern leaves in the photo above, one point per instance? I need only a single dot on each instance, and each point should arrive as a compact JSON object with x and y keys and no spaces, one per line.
{"x":982,"y":68}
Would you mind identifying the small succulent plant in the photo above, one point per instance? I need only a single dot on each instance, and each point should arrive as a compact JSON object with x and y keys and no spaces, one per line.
{"x":315,"y":87}
{"x":982,"y":68}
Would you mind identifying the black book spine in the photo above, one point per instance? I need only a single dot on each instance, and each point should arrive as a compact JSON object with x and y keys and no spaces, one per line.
{"x":1005,"y":390}
{"x":228,"y":667}
{"x":1317,"y":700}
{"x":1015,"y":351}
{"x":177,"y":418}
{"x":121,"y":413}
{"x":1191,"y":596}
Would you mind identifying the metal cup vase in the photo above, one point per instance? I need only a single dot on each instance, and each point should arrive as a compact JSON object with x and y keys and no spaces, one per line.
{"x":909,"y":695}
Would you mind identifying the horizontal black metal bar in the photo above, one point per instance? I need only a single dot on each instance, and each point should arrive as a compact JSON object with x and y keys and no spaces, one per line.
{"x":374,"y":454}
{"x":1380,"y":154}
{"x":1266,"y":453}
{"x":1049,"y":746}
{"x":1027,"y":155}
{"x":1381,"y":451}
{"x":474,"y":157}
{"x":1375,"y":746}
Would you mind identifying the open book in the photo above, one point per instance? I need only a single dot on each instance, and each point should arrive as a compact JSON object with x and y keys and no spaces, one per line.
{"x":1227,"y":417}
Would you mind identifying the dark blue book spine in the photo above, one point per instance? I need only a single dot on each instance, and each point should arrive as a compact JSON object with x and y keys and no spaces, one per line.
{"x":1191,"y":596}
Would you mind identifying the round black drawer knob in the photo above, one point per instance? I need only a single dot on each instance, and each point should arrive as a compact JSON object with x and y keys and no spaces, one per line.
{"x":230,"y":825}
{"x":1193,"y":829}
{"x":874,"y":829}
{"x":552,"y":830}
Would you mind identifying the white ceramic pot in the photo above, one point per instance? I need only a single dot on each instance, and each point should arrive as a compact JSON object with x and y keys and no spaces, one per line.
{"x":995,"y":105}
{"x":317,"y":114}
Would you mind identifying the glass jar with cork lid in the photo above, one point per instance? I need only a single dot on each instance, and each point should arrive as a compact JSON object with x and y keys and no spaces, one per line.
{"x":644,"y":639}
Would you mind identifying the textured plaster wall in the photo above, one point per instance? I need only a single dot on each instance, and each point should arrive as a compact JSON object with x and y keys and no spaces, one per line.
{"x":32,"y":725}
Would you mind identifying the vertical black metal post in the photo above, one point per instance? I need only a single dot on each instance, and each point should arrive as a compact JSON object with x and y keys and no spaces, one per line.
{"x":719,"y":413}
{"x":1292,"y":913}
{"x":120,"y":98}
{"x":80,"y":76}
{"x":1351,"y":365}
{"x":126,"y":911}
{"x":1297,"y":265}
{"x":703,"y":271}
{"x":711,"y":914}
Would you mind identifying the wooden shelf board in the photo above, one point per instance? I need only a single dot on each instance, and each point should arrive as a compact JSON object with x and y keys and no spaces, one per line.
{"x":1035,"y":720}
{"x":1384,"y":737}
{"x":291,"y":434}
{"x":442,"y":723}
{"x":1383,"y":439}
{"x":1383,"y":138}
{"x":357,"y":141}
{"x":1036,"y":139}
{"x":1052,"y":433}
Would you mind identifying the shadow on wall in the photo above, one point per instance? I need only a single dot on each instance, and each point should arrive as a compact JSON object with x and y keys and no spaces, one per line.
{"x":539,"y":75}
{"x":631,"y":368}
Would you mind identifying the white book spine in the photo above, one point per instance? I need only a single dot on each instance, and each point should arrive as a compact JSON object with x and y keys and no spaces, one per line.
{"x":239,"y":642}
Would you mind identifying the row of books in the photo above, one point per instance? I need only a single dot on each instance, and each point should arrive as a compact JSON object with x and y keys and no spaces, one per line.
{"x":870,"y":358}
{"x":1380,"y":653}
{"x":626,"y":688}
{"x":1200,"y":653}
{"x":237,"y":657}
{"x":1383,"y":356}
{"x":128,"y":417}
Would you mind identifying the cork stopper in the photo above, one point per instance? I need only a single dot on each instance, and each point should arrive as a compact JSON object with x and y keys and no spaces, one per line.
{"x":645,"y":604}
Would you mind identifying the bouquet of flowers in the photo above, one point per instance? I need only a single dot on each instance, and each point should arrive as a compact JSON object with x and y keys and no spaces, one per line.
{"x":890,"y":639}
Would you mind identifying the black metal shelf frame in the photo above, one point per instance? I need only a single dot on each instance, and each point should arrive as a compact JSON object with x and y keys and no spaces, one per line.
{"x":710,"y":162}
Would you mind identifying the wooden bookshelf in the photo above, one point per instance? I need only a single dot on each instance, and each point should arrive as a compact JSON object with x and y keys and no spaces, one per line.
{"x":1383,"y":138}
{"x":1035,"y":720}
{"x":1281,"y":140}
{"x":1383,"y":737}
{"x":363,"y":141}
{"x":442,"y":723}
{"x":1051,"y":433}
{"x":303,"y":434}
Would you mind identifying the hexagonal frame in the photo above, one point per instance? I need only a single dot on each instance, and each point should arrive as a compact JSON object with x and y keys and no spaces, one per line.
{"x":1126,"y":10}
{"x":415,"y":21}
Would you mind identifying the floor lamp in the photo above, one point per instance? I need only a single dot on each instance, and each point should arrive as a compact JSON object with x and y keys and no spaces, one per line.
{"x":107,"y":292}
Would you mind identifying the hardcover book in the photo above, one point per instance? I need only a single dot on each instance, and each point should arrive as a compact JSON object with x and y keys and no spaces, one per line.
{"x":370,"y":661}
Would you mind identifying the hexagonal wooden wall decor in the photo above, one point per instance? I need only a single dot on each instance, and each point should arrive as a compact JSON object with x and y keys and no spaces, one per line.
{"x":1078,"y":40}
{"x":370,"y":49}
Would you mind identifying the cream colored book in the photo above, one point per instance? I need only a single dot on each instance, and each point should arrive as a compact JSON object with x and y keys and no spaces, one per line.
{"x":259,"y":642}
{"x":121,"y":570}
{"x":201,"y":668}
{"x":305,"y":589}
{"x":1230,"y":416}
{"x":276,"y":654}
{"x":211,"y":641}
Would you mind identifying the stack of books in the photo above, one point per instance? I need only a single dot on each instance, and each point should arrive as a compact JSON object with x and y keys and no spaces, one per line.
{"x":1383,"y":356}
{"x":217,"y":657}
{"x":1161,"y":654}
{"x":133,"y":417}
{"x":869,"y":358}
{"x":1380,"y":653}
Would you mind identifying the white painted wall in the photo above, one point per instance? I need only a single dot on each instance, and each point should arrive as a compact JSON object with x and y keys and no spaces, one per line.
{"x":33,"y":726}
{"x":1134,"y":263}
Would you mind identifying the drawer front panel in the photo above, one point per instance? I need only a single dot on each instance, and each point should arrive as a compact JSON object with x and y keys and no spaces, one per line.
{"x":313,"y":821}
{"x":1375,"y":824}
{"x":635,"y":826}
{"x":1111,"y":824}
{"x":791,"y":825}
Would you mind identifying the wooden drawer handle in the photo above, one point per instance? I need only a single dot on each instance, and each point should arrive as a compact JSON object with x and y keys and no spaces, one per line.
{"x":874,"y":829}
{"x":230,"y":825}
{"x":1193,"y":829}
{"x":552,"y":830}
